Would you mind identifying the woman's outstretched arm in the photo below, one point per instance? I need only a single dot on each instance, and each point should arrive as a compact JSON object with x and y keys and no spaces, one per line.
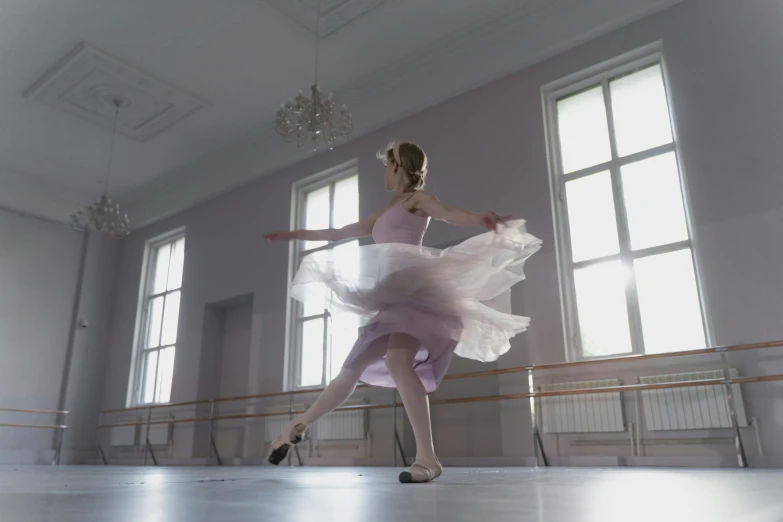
{"x":455,"y":215}
{"x":359,"y":229}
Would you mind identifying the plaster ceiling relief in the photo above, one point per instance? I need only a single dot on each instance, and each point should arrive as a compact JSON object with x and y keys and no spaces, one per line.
{"x":335,"y":14}
{"x":87,"y":81}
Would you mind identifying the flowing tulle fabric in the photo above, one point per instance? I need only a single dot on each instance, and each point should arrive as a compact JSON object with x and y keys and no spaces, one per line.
{"x":453,"y":300}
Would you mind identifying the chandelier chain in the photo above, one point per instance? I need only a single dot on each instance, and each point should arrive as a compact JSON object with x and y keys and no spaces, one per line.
{"x":313,"y":117}
{"x":317,"y":39}
{"x":102,"y":215}
{"x":111,"y":145}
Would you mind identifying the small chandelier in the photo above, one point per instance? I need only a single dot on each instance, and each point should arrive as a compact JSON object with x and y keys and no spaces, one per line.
{"x":311,"y":117}
{"x":102,"y":215}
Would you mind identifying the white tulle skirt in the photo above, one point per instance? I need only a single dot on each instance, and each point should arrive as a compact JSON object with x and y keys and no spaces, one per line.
{"x":455,"y":300}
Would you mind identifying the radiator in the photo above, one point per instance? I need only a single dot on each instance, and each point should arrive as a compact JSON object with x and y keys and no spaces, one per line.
{"x":344,"y":425}
{"x":340,"y":425}
{"x":123,"y":436}
{"x":692,"y":408}
{"x":274,"y":426}
{"x":588,"y":413}
{"x":159,"y":434}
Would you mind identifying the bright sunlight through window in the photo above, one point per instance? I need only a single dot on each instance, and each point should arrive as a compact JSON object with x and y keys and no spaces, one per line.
{"x":157,"y":339}
{"x":323,"y":338}
{"x":629,"y":278}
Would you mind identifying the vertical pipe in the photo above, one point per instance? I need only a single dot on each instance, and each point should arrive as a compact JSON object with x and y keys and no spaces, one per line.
{"x":533,"y":422}
{"x":727,"y":382}
{"x":394,"y":425}
{"x":638,"y":424}
{"x":211,"y":429}
{"x":60,"y":446}
{"x":760,"y":451}
{"x":290,"y":418}
{"x":147,"y":436}
{"x":77,"y":299}
{"x":98,"y":430}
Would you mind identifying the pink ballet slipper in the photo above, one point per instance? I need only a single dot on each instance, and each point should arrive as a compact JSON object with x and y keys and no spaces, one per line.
{"x":283,"y":444}
{"x":420,"y":472}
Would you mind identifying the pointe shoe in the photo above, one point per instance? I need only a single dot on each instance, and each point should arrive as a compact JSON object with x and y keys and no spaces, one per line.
{"x":420,"y":472}
{"x":283,"y":444}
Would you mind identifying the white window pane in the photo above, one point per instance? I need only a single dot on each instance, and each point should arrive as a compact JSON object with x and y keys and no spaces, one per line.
{"x":602,"y":309}
{"x":653,"y":202}
{"x":177,"y":264}
{"x":591,"y":217}
{"x":311,"y":308}
{"x":316,"y":214}
{"x":640,"y":111}
{"x":312,"y":354}
{"x":346,"y":202}
{"x":154,"y":322}
{"x":583,"y":130}
{"x":669,"y":302}
{"x":170,"y":319}
{"x":161,"y":274}
{"x":346,"y":258}
{"x":165,"y":374}
{"x":150,"y":368}
{"x":345,"y":330}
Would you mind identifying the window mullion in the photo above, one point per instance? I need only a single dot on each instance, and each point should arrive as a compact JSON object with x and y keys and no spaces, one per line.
{"x":573,"y":332}
{"x":325,"y":347}
{"x":572,"y":314}
{"x":331,"y":205}
{"x":298,"y":253}
{"x":623,"y":232}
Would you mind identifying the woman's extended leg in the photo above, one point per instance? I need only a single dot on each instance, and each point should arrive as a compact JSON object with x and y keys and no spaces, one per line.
{"x":336,"y":393}
{"x":400,"y":356}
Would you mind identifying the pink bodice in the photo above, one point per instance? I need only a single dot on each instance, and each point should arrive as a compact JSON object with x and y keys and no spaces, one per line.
{"x":397,"y":225}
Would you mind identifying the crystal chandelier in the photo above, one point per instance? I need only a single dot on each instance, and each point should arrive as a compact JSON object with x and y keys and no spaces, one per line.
{"x":102,"y":215}
{"x":312,"y":117}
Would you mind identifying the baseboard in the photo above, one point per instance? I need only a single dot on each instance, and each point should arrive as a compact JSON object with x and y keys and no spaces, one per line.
{"x":704,"y":462}
{"x":78,"y":457}
{"x":25,"y":457}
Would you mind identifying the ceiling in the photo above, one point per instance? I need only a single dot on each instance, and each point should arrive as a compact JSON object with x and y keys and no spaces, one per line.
{"x":219,"y":69}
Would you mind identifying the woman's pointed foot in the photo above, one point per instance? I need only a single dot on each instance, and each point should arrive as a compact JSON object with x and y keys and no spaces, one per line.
{"x":421,"y":471}
{"x":283,"y":444}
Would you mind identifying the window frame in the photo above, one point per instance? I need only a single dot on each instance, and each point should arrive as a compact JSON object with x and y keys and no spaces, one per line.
{"x":602,"y":75}
{"x":294,"y":309}
{"x":137,"y":374}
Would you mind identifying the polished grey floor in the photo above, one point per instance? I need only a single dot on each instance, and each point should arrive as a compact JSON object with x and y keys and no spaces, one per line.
{"x":70,"y":494}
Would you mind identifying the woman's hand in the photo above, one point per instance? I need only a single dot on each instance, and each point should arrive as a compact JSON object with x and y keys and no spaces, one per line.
{"x":283,"y":235}
{"x":490,"y":221}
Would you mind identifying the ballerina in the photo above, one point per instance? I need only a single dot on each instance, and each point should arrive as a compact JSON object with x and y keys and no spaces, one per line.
{"x":418,"y":305}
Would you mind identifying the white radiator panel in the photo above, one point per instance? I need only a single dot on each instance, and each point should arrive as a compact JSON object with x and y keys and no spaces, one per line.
{"x":274,"y":426}
{"x":692,"y":408}
{"x":588,"y":413}
{"x":122,"y":436}
{"x":160,"y":434}
{"x":343,"y":425}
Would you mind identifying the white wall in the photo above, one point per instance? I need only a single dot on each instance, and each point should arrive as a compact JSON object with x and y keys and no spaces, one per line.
{"x":39,"y":267}
{"x":487,"y":151}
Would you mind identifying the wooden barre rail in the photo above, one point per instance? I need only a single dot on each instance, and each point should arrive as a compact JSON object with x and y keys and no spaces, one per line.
{"x":616,"y":360}
{"x":17,"y":410}
{"x":45,"y":426}
{"x":469,"y":375}
{"x":223,"y":399}
{"x":485,"y":398}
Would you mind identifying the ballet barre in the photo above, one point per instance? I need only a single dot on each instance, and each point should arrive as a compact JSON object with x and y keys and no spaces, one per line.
{"x":531,"y":395}
{"x":60,"y":416}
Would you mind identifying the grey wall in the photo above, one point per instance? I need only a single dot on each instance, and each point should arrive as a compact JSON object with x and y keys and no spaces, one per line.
{"x":487,"y":151}
{"x":39,"y":267}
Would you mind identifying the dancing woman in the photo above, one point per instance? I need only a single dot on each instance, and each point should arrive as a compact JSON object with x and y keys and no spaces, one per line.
{"x":419,"y":305}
